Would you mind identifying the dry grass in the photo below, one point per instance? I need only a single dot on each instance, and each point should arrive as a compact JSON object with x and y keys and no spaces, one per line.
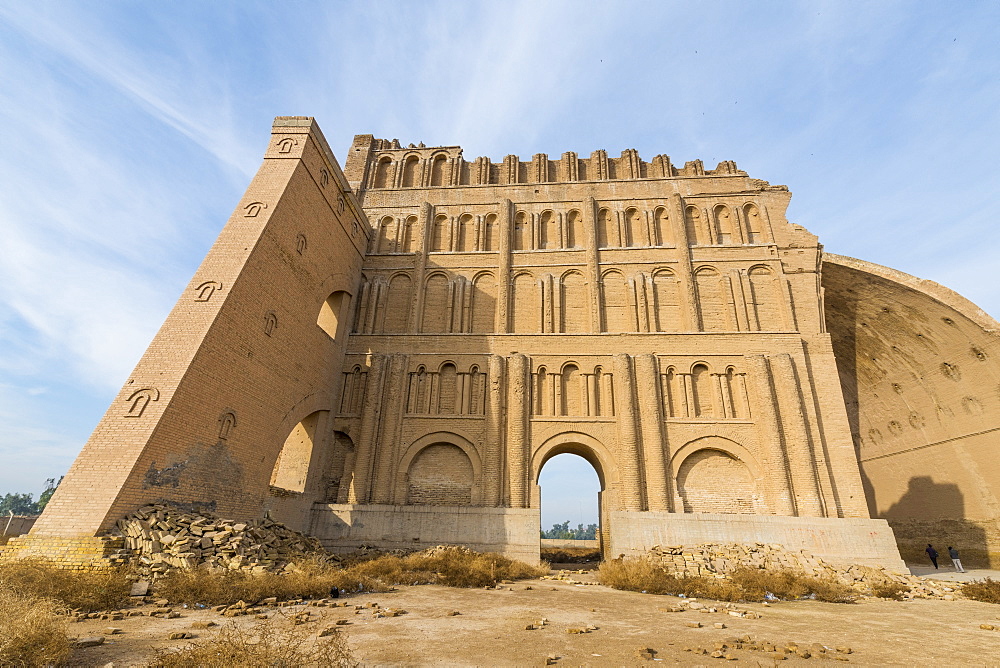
{"x":987,"y":591}
{"x":261,"y":646}
{"x":454,"y":567}
{"x":311,"y":578}
{"x":87,"y":591}
{"x":32,"y":632}
{"x":314,"y":578}
{"x":745,"y":584}
{"x":893,"y":590}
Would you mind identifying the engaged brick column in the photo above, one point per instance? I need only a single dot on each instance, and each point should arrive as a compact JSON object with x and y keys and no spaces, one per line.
{"x":628,"y":437}
{"x":387,"y":447}
{"x":505,"y":223}
{"x":423,"y":245}
{"x":493,"y":452}
{"x":775,"y":464}
{"x":593,"y":269}
{"x":684,"y":270}
{"x":797,"y":443}
{"x":363,"y":461}
{"x":517,"y":430}
{"x":654,"y":442}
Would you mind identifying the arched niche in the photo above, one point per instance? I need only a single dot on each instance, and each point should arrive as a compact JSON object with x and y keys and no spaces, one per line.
{"x":667,"y":301}
{"x":765,"y":295}
{"x":713,"y":479}
{"x":332,"y":313}
{"x":522,"y":231}
{"x":575,"y":312}
{"x":661,"y":228}
{"x":526,"y":298}
{"x":411,"y":172}
{"x":616,"y":303}
{"x":702,"y":391}
{"x":635,"y":233}
{"x":439,"y":166}
{"x":441,"y":234}
{"x":548,"y":231}
{"x":444,"y":460}
{"x":291,"y":470}
{"x":436,"y":302}
{"x":607,"y":230}
{"x":491,"y":238}
{"x":397,"y":312}
{"x":574,"y":229}
{"x":383,"y":173}
{"x":484,"y":299}
{"x":466,"y":233}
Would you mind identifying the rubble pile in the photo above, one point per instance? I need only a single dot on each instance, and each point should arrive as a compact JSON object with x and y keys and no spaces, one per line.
{"x":719,"y":560}
{"x":159,"y":537}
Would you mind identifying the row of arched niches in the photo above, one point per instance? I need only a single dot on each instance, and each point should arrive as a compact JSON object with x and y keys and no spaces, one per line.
{"x":630,"y":227}
{"x":726,"y":299}
{"x":695,"y":390}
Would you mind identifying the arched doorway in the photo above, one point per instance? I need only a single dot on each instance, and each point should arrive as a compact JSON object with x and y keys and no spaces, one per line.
{"x":569,"y":491}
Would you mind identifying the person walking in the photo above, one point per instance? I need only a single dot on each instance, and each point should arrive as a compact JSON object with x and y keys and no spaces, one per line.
{"x":953,"y":553}
{"x":933,"y":554}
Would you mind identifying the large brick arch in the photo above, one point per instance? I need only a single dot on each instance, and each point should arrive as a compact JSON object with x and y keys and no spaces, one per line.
{"x":577,"y":443}
{"x":920,"y":371}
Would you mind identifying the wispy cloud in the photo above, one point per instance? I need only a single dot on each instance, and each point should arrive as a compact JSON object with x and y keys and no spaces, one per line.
{"x":101,"y":53}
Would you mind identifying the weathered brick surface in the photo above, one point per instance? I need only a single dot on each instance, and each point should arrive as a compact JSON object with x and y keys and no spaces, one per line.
{"x":474,"y":319}
{"x":919,"y":367}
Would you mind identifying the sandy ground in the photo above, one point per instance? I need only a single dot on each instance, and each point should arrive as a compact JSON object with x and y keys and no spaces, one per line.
{"x":490,"y":629}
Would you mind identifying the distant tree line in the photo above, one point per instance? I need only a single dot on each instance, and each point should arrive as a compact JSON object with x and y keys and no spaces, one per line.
{"x":24,"y":504}
{"x":563,"y":532}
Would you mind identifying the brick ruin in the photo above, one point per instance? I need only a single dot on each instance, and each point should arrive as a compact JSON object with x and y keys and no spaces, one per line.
{"x":389,"y":354}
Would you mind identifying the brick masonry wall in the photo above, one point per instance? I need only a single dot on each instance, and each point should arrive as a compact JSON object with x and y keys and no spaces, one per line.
{"x":239,"y":361}
{"x":693,"y":267}
{"x":474,"y":320}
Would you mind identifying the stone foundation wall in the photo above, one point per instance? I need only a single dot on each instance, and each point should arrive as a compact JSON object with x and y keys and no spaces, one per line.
{"x":512,"y":532}
{"x":839,"y":541}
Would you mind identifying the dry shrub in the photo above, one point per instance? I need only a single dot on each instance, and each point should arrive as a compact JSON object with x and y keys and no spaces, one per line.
{"x":744,"y":584}
{"x":452,"y":567}
{"x":639,"y":575}
{"x":32,"y":632}
{"x":790,"y":585}
{"x":987,"y":591}
{"x":79,"y":590}
{"x":309,"y":578}
{"x":263,"y":645}
{"x":315,"y":577}
{"x":887,"y":589}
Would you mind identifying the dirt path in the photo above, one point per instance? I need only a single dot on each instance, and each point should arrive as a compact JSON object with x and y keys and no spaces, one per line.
{"x":490,"y":629}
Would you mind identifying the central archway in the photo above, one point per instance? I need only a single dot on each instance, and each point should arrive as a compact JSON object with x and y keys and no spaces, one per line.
{"x":569,"y":507}
{"x":597,"y":464}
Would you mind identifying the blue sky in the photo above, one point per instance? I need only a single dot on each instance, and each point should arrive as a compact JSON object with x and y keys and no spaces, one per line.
{"x":131,"y":129}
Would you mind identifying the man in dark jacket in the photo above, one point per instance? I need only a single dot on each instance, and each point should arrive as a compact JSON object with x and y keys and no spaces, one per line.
{"x":933,"y":554}
{"x":953,"y":553}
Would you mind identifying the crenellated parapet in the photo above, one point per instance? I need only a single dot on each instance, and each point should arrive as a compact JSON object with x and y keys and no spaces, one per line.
{"x":386,"y":164}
